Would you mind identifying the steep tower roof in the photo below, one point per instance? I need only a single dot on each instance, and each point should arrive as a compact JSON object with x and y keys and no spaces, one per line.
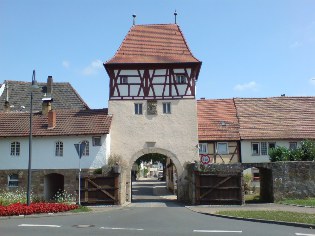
{"x":157,"y":43}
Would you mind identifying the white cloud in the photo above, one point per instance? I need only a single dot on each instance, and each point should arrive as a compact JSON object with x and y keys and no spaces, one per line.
{"x":312,"y":81}
{"x":66,"y":64}
{"x":93,"y":68}
{"x":247,"y":86}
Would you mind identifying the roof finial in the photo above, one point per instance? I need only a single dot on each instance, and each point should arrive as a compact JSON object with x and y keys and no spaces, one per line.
{"x":175,"y":14}
{"x":134,"y":19}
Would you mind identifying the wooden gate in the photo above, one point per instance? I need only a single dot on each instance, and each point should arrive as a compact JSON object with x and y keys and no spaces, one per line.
{"x":99,"y":189}
{"x":218,"y":189}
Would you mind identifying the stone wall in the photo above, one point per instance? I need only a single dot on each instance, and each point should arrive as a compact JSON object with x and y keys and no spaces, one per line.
{"x":293,"y":180}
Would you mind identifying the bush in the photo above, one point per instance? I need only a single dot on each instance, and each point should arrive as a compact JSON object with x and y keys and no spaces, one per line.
{"x":304,"y":153}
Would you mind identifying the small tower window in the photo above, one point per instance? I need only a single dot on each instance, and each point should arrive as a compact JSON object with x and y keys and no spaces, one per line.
{"x":138,"y":108}
{"x":59,"y":149}
{"x":13,"y":180}
{"x":167,"y":108}
{"x":124,"y":80}
{"x":86,"y":151}
{"x":181,"y":79}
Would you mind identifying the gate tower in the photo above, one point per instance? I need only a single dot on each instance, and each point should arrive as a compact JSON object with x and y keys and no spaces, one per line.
{"x":152,"y":80}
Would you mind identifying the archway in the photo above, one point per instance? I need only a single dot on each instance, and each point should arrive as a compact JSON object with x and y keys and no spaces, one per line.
{"x":153,"y":176}
{"x":258,"y":183}
{"x":52,"y":184}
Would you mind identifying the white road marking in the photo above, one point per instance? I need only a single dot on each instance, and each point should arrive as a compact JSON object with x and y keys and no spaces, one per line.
{"x":218,"y":231}
{"x":121,"y":228}
{"x":304,"y":234}
{"x":32,"y":225}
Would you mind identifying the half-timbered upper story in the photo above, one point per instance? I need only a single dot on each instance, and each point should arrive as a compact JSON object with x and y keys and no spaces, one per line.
{"x":153,"y":62}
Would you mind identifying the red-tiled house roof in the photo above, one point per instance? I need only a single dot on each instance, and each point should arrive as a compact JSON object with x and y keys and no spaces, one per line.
{"x":217,"y":120}
{"x":153,"y":44}
{"x":276,"y":118}
{"x":68,"y":122}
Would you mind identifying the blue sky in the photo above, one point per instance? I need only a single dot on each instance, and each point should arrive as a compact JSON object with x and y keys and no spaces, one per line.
{"x":248,"y":48}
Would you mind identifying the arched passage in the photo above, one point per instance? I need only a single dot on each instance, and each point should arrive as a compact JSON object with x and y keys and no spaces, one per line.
{"x":172,"y":168}
{"x":52,"y":184}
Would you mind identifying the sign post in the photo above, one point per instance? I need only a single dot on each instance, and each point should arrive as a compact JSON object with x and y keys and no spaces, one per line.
{"x":80,"y":148}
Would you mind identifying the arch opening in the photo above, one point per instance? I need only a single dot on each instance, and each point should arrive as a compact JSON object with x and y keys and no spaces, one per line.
{"x":52,"y":184}
{"x":154,"y":173}
{"x":258,"y":185}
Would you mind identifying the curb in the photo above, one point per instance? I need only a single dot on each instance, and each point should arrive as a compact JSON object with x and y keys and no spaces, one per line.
{"x":294,"y":224}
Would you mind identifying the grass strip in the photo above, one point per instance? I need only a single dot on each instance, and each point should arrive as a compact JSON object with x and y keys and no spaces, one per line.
{"x":301,"y":202}
{"x":273,"y":215}
{"x":81,"y":209}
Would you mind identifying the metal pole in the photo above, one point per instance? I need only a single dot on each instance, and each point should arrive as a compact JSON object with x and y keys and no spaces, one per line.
{"x":79,"y":176}
{"x":29,"y":179}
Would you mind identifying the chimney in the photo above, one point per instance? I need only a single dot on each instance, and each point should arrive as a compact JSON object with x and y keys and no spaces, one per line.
{"x":51,"y":119}
{"x":46,"y":105}
{"x":49,"y":86}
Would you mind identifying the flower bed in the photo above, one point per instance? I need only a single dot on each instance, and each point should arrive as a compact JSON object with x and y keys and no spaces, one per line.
{"x":34,"y":208}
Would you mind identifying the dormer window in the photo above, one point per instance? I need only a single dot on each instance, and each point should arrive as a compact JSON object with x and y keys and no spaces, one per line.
{"x":181,"y":79}
{"x":124,"y":80}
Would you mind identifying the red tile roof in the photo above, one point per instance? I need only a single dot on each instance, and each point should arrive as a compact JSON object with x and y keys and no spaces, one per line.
{"x":276,"y":118}
{"x":154,"y":44}
{"x":211,"y":114}
{"x":68,"y":122}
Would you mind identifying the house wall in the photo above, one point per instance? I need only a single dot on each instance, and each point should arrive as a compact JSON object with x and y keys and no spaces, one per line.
{"x":43,"y":153}
{"x":231,"y":157}
{"x":246,"y":150}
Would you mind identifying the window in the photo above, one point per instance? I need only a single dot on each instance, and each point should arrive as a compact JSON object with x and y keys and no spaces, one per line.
{"x":255,"y":149}
{"x":13,"y":181}
{"x":203,"y":148}
{"x":167,"y":108}
{"x":124,"y":80}
{"x":271,"y":146}
{"x":96,"y":141}
{"x":86,"y":150}
{"x":292,"y":145}
{"x":59,"y":149}
{"x":180,"y":79}
{"x":222,"y":148}
{"x":138,"y":108}
{"x":15,"y":148}
{"x":263,"y":148}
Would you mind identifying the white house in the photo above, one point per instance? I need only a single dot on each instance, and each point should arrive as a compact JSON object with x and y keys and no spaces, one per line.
{"x":55,"y":161}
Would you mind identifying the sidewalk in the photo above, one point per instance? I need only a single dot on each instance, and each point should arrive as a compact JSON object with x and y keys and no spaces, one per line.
{"x":251,"y":207}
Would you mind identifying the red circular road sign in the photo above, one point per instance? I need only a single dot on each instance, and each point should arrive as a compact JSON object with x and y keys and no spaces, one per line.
{"x":205,"y":159}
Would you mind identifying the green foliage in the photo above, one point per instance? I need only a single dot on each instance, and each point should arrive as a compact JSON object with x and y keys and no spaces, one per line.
{"x":304,"y":153}
{"x":155,"y":157}
{"x":18,"y":195}
{"x":97,"y":171}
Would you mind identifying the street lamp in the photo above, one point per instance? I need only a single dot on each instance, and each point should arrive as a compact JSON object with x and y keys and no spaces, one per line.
{"x":29,"y":179}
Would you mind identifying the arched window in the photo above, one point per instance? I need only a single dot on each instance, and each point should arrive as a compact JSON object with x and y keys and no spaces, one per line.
{"x":15,"y":149}
{"x":86,"y":150}
{"x":59,"y":149}
{"x":13,"y":181}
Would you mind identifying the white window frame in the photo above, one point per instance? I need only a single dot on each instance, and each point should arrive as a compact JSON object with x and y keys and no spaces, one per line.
{"x":15,"y":148}
{"x":59,"y":149}
{"x":252,"y":148}
{"x":97,"y":141}
{"x":138,"y":108}
{"x":181,"y":79}
{"x":14,"y":180}
{"x":203,"y":148}
{"x":86,"y":151}
{"x":226,"y":148}
{"x":167,"y":108}
{"x":264,"y":147}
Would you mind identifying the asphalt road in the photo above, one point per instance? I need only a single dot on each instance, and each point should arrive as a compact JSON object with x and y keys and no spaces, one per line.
{"x":161,"y":218}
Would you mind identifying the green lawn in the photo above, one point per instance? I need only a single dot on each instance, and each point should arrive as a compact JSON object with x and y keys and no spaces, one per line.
{"x":302,"y":202}
{"x":273,"y":215}
{"x":81,"y":209}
